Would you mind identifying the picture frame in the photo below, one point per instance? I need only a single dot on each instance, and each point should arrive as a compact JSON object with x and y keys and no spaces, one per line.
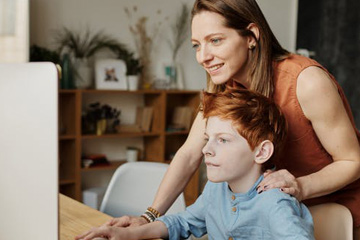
{"x":110,"y":74}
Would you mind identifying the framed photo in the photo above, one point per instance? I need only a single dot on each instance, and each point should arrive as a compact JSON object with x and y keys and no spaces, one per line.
{"x":110,"y":74}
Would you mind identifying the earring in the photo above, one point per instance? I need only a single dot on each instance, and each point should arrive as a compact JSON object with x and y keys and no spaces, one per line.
{"x":252,"y":46}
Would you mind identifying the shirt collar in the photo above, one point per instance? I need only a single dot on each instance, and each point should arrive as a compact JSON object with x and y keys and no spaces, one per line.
{"x":236,"y":197}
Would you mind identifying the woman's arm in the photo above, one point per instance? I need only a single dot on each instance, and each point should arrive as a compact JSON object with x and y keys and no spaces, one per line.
{"x":322,"y":105}
{"x":184,"y":164}
{"x":186,"y":161}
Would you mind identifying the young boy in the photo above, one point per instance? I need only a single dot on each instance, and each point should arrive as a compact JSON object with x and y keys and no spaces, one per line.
{"x":244,"y":135}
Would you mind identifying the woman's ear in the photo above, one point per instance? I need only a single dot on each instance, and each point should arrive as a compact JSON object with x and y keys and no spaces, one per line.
{"x":255,"y":30}
{"x":264,"y":151}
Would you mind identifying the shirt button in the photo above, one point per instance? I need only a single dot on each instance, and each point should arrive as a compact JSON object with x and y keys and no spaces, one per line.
{"x":233,"y":209}
{"x":233,"y":197}
{"x":230,"y":238}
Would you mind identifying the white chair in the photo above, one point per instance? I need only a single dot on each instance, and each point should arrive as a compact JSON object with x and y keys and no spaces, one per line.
{"x":132,"y":189}
{"x":332,"y":221}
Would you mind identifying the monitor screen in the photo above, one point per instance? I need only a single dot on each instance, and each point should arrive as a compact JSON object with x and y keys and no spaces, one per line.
{"x":28,"y":151}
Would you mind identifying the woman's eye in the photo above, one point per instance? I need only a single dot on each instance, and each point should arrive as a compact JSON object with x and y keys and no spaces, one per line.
{"x":222,"y":140}
{"x":216,"y":40}
{"x":195,"y":46}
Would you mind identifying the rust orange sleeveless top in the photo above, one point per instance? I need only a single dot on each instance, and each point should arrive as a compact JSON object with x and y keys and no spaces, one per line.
{"x":303,"y":153}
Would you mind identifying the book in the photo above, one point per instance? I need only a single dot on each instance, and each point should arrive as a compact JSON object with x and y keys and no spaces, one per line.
{"x":182,"y":117}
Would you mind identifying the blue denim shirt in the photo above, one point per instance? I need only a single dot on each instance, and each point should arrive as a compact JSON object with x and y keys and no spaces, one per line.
{"x":226,"y":215}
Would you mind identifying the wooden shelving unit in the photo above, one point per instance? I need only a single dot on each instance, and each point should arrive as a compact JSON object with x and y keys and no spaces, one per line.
{"x":158,"y":144}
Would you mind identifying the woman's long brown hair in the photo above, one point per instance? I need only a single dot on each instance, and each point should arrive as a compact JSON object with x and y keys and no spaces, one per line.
{"x":238,"y":15}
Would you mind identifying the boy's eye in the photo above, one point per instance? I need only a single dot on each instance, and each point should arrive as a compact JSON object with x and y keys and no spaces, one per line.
{"x":206,"y":139}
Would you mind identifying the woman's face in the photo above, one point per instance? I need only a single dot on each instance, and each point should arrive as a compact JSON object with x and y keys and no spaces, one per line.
{"x":220,"y":50}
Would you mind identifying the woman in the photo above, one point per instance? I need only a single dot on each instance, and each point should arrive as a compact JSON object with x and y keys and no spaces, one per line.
{"x":321,"y":162}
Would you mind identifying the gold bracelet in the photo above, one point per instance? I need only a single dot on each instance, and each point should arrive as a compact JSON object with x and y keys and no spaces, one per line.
{"x":154,"y":211}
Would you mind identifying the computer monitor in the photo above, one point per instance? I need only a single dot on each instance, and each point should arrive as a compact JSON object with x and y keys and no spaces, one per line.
{"x":28,"y":151}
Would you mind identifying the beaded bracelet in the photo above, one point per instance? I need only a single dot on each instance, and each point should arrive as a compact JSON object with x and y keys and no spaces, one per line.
{"x":150,"y":214}
{"x":154,"y":211}
{"x":147,"y":218}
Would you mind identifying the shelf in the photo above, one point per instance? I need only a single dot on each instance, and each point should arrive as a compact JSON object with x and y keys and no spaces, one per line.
{"x":185,"y":132}
{"x":66,"y":181}
{"x":158,"y":145}
{"x":67,"y":91}
{"x":67,"y":137}
{"x":113,"y":165}
{"x":121,"y":135}
{"x":95,"y":91}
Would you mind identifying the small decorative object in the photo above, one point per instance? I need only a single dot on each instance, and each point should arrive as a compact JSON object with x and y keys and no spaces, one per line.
{"x":110,"y":74}
{"x":179,"y":35}
{"x":94,"y":160}
{"x":99,"y":119}
{"x":132,"y":154}
{"x":101,"y":127}
{"x":66,"y":73}
{"x":133,"y":82}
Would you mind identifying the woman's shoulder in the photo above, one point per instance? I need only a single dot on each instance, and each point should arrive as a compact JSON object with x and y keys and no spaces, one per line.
{"x":295,"y":63}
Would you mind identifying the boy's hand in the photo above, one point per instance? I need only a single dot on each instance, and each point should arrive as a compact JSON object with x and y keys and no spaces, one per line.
{"x":282,"y":179}
{"x":126,"y":221}
{"x":106,"y":232}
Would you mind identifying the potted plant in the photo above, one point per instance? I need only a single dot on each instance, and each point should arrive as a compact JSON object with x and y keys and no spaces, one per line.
{"x":97,"y":118}
{"x":133,"y":68}
{"x":82,"y":46}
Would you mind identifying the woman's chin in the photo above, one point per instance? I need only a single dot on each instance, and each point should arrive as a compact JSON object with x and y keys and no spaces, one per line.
{"x":219,"y":80}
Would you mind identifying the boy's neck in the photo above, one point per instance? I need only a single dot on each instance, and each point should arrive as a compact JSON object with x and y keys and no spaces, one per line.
{"x":245,"y":183}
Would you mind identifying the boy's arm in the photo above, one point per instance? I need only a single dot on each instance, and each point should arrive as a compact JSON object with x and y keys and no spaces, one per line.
{"x":290,"y":220}
{"x":148,"y":231}
{"x":192,"y":221}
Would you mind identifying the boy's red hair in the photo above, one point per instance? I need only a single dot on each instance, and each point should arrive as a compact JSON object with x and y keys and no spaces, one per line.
{"x":256,"y":117}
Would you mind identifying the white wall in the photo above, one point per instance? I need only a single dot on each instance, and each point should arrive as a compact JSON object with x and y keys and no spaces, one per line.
{"x":108,"y":15}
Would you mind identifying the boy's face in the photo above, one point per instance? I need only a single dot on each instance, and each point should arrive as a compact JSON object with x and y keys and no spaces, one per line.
{"x":228,"y":156}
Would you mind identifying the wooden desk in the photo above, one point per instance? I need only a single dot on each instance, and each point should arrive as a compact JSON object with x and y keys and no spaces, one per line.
{"x":76,"y":218}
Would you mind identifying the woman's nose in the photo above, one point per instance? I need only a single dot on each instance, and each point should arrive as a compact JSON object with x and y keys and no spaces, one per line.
{"x":204,"y":55}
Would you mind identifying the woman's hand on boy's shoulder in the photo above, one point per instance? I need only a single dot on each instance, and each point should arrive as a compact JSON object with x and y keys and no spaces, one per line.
{"x":283,"y":180}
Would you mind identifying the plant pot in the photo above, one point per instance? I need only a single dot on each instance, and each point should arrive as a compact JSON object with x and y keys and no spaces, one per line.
{"x":101,"y":127}
{"x":83,"y":74}
{"x":133,"y":82}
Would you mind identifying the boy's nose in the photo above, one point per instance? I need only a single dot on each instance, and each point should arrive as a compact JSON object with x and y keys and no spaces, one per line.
{"x":207,"y":150}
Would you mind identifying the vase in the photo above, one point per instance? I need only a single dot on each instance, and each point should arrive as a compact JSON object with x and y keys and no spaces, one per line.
{"x":174,"y":74}
{"x":180,"y":84}
{"x":133,"y":82}
{"x":170,"y":72}
{"x":83,"y":74}
{"x":66,"y":73}
{"x":101,"y":127}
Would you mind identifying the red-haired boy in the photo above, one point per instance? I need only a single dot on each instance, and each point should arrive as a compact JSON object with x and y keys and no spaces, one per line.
{"x":244,"y":135}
